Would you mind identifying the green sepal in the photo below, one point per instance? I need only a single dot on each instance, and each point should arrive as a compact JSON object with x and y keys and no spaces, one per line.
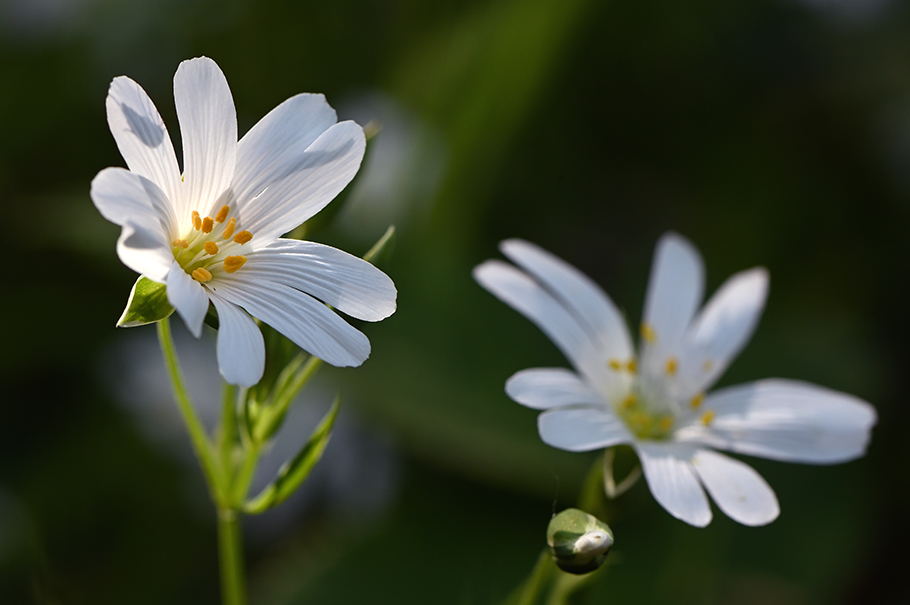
{"x":147,"y":304}
{"x":293,"y":472}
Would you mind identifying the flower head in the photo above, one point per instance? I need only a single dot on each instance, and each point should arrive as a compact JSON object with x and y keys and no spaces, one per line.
{"x":656,"y":397}
{"x":212,"y":232}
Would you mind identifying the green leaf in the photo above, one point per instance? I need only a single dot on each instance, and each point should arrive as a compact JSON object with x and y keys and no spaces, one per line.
{"x":293,"y":473}
{"x":147,"y":304}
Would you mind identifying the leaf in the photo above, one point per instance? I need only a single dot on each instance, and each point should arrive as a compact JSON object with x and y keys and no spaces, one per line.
{"x":147,"y":304}
{"x":293,"y":473}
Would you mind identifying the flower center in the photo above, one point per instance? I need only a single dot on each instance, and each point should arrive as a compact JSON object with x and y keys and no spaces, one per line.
{"x":211,"y":245}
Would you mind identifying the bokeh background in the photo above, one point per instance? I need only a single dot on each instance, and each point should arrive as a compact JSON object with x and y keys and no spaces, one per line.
{"x":769,"y":132}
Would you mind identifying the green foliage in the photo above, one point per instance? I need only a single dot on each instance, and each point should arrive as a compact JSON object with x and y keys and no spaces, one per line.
{"x":147,"y":304}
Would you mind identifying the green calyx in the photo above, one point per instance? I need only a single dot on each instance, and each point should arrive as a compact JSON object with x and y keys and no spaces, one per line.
{"x":147,"y":304}
{"x":578,"y":542}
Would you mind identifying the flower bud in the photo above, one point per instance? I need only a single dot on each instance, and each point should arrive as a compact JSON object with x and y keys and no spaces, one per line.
{"x":579,"y":542}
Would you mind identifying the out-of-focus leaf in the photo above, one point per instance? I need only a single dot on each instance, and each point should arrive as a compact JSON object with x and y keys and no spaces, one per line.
{"x":293,"y":473}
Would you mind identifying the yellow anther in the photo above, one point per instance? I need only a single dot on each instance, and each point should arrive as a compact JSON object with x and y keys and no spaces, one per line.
{"x":229,"y":228}
{"x":672,"y":364}
{"x":632,"y":366}
{"x":181,"y":243}
{"x":665,"y":423}
{"x":197,"y":221}
{"x":615,"y":364}
{"x":648,"y":333}
{"x":222,"y":214}
{"x":201,"y":275}
{"x":243,"y":237}
{"x":708,"y":365}
{"x":629,"y":401}
{"x":207,"y":224}
{"x":232,"y":263}
{"x":695,"y":403}
{"x":211,"y":248}
{"x":707,"y":417}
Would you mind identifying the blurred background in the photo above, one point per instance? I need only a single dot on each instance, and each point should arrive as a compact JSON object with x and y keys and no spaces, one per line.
{"x":769,"y":132}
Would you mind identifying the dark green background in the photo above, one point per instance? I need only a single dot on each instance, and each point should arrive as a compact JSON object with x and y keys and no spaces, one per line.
{"x":769,"y":132}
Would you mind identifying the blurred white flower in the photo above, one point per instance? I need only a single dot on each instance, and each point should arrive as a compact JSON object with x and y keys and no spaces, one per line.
{"x":656,"y":399}
{"x":212,"y":232}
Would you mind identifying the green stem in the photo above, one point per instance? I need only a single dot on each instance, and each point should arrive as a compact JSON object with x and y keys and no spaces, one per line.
{"x":230,"y":554}
{"x":199,"y":438}
{"x":228,"y":434}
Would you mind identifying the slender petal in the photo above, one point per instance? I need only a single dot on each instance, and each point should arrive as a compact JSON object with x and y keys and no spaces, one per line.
{"x":241,"y":349}
{"x":674,"y":292}
{"x":736,"y":488}
{"x":543,"y":388}
{"x":273,"y":148}
{"x":141,"y":135}
{"x":785,"y":420}
{"x":577,"y":293}
{"x":672,"y":481}
{"x":326,"y":167}
{"x":526,"y":296}
{"x":208,"y":127}
{"x":188,"y":297}
{"x":122,"y":197}
{"x":723,"y":327}
{"x":308,"y":323}
{"x":581,"y":428}
{"x":351,"y":285}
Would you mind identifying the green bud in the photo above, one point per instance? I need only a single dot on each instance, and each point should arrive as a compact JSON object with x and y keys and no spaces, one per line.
{"x":579,"y":542}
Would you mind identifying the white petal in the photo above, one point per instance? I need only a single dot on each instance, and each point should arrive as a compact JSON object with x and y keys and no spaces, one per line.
{"x":351,"y":285}
{"x":542,"y":388}
{"x":123,"y":197}
{"x":141,"y":135}
{"x":736,"y":488}
{"x":577,"y":293}
{"x":241,"y":349}
{"x":675,"y":290}
{"x":276,"y":144}
{"x":326,"y":167}
{"x":188,"y":297}
{"x":723,"y":327}
{"x":308,"y":323}
{"x":208,"y":128}
{"x":144,"y":252}
{"x":582,"y":428}
{"x":785,"y":420}
{"x":672,"y":481}
{"x":526,"y":296}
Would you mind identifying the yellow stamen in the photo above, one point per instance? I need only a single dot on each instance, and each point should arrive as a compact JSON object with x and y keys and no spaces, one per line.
{"x":642,"y":420}
{"x":708,"y":365}
{"x":696,"y":401}
{"x":180,"y":242}
{"x":672,"y":364}
{"x":615,"y":364}
{"x":232,"y":263}
{"x":211,"y":248}
{"x":207,"y":224}
{"x":222,"y":214}
{"x":201,"y":275}
{"x":648,"y":333}
{"x":629,"y":401}
{"x":707,"y":417}
{"x":197,"y":221}
{"x":632,"y":366}
{"x":665,"y":423}
{"x":229,"y":228}
{"x":243,"y":237}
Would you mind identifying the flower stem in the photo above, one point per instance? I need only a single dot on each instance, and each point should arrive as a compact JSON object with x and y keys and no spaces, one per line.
{"x":230,"y":555}
{"x":199,"y":438}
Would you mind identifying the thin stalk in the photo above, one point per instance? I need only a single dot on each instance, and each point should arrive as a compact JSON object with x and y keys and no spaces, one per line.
{"x":228,"y":434}
{"x":200,"y":440}
{"x":230,"y":555}
{"x":273,"y":414}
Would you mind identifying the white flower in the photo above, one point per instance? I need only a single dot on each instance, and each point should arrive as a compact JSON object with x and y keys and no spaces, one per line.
{"x":212,"y":232}
{"x":656,"y":399}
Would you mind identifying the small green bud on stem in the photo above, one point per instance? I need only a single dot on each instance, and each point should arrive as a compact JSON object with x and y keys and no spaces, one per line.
{"x":579,"y":542}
